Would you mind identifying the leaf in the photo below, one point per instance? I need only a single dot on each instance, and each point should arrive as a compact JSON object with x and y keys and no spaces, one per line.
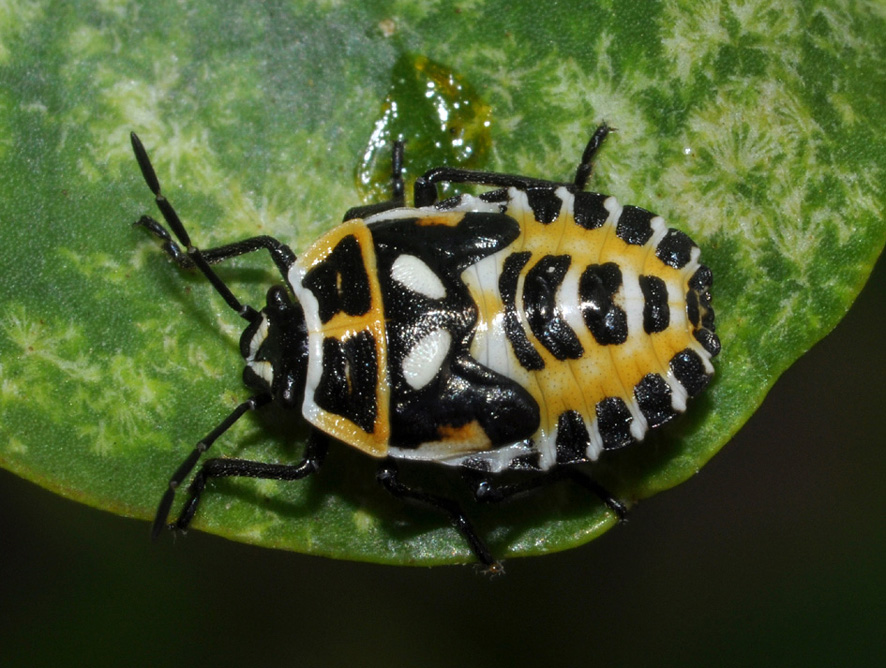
{"x":753,"y":126}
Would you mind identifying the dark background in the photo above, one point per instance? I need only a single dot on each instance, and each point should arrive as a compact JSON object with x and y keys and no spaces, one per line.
{"x":773,"y":555}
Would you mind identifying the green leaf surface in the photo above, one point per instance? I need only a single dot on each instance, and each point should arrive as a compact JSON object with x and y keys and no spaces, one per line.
{"x":756,"y":127}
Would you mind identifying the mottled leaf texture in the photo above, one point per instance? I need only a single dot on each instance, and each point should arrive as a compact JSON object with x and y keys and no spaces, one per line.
{"x":755,"y":127}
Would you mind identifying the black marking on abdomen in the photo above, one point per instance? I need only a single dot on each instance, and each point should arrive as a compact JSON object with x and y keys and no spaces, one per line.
{"x":674,"y":249}
{"x":708,"y":341}
{"x":499,"y":196}
{"x":507,"y":287}
{"x":614,"y":423}
{"x":449,"y":203}
{"x":700,"y":284}
{"x":544,"y":203}
{"x":633,"y":225}
{"x":653,"y":396}
{"x":588,"y":210}
{"x":656,"y":312}
{"x":702,"y":279}
{"x":540,"y":305}
{"x":348,"y":379}
{"x":340,"y":282}
{"x":573,"y":440}
{"x":607,"y":322}
{"x":689,"y":370}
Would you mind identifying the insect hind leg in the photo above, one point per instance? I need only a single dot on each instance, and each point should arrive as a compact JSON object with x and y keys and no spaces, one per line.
{"x":486,"y":490}
{"x":388,"y":476}
{"x":586,"y":167}
{"x":426,"y":185}
{"x":425,"y":188}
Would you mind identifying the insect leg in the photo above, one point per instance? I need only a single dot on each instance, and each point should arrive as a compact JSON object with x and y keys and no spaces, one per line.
{"x":426,"y":188}
{"x":188,"y":465}
{"x":281,"y":253}
{"x":583,"y":173}
{"x":398,"y":189}
{"x":141,"y":155}
{"x":315,"y":453}
{"x":388,"y":476}
{"x":486,"y":491}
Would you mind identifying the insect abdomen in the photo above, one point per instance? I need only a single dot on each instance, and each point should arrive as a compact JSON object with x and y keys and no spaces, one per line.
{"x":601,"y":312}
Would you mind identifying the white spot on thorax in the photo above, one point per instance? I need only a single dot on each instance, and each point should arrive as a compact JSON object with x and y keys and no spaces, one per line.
{"x":414,"y":274}
{"x":424,"y":360}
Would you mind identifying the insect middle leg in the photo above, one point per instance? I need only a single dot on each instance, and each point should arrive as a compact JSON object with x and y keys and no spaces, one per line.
{"x":398,"y":189}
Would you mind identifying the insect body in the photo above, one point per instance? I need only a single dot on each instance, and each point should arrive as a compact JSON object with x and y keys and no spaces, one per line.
{"x":530,"y":328}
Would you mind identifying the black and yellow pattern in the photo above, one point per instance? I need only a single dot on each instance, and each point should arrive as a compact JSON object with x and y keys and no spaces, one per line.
{"x":529,"y":327}
{"x":347,"y":387}
{"x":597,"y":320}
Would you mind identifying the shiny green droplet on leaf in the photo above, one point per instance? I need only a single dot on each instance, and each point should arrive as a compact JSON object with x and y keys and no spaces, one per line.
{"x":439,"y":116}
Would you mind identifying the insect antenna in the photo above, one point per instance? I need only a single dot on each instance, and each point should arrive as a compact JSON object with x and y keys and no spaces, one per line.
{"x":141,"y":155}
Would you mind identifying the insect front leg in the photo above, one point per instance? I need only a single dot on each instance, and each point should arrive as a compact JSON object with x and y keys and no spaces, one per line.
{"x":312,"y":460}
{"x":190,"y":462}
{"x":192,"y":256}
{"x":280,"y":253}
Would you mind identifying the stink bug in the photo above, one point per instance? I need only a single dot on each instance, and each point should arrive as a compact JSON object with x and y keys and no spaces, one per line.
{"x":530,"y":328}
